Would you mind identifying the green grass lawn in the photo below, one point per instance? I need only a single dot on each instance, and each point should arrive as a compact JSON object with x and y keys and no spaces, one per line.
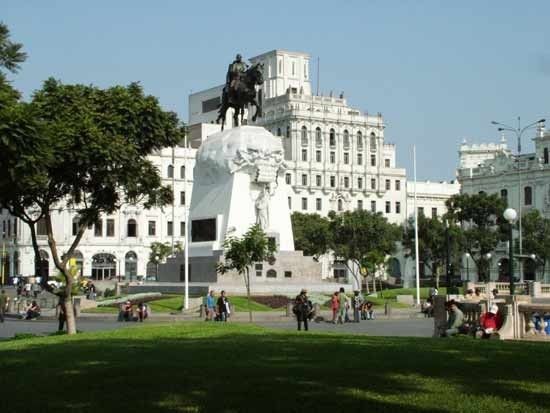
{"x":217,"y":367}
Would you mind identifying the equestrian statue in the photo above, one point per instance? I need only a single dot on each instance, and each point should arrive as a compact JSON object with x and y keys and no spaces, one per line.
{"x":240,"y":90}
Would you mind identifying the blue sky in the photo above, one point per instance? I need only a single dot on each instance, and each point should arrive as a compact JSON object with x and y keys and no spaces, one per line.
{"x":438,"y":71}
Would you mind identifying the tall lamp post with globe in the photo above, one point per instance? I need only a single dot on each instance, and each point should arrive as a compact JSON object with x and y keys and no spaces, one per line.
{"x":510,"y":215}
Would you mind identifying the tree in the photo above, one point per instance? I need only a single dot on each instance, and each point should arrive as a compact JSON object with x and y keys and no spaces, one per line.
{"x":359,"y":237}
{"x":432,"y":242}
{"x":85,"y":149}
{"x":241,"y":253}
{"x":163,"y":250}
{"x":480,"y":216}
{"x":11,"y":54}
{"x":536,"y":237}
{"x":311,"y":234}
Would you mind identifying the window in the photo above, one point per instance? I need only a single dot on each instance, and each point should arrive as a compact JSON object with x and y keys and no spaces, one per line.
{"x":545,"y":155}
{"x":359,"y":204}
{"x":373,"y":160}
{"x":359,"y":159}
{"x":288,"y":131}
{"x":304,"y":179}
{"x":318,"y":137}
{"x":528,"y":195}
{"x":304,"y":136}
{"x":259,"y":269}
{"x":434,"y":212}
{"x":279,"y":133}
{"x":387,"y":163}
{"x":169,"y":228}
{"x":98,"y":228}
{"x":504,"y":194}
{"x":182,"y":198}
{"x":75,"y":226}
{"x":398,"y":185}
{"x":373,"y":183}
{"x":388,"y":184}
{"x":271,"y":273}
{"x":288,"y":274}
{"x":360,"y":183}
{"x":372,"y":206}
{"x":346,"y":158}
{"x":289,"y":203}
{"x":182,"y":228}
{"x":152,"y":228}
{"x":373,"y":141}
{"x":203,"y":230}
{"x":332,"y":138}
{"x":210,"y":104}
{"x":332,"y":181}
{"x":318,"y":180}
{"x":131,"y":228}
{"x":182,"y":172}
{"x":388,"y":207}
{"x":110,"y":227}
{"x":346,"y":140}
{"x":340,"y":205}
{"x":293,"y":68}
{"x":41,"y":229}
{"x":288,"y":179}
{"x":420,"y":210}
{"x":170,"y":172}
{"x":304,"y":204}
{"x":359,"y":141}
{"x":398,"y":207}
{"x":346,"y":182}
{"x":318,"y":204}
{"x":318,"y":156}
{"x":332,"y":157}
{"x":280,"y":67}
{"x":304,"y":155}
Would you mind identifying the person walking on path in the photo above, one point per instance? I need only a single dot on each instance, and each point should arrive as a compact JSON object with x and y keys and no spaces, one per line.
{"x":334,"y":305}
{"x":210,"y":306}
{"x":4,"y":299}
{"x":342,"y":301}
{"x":356,"y":302}
{"x":223,"y":306}
{"x":302,"y":307}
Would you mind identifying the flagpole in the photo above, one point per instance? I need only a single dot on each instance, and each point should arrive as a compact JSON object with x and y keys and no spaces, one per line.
{"x":417,"y":258}
{"x":186,"y":212}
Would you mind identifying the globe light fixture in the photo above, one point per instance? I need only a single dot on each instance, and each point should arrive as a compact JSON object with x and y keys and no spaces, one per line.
{"x":510,"y":215}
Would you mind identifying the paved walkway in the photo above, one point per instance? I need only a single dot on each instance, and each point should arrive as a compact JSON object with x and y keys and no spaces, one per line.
{"x":42,"y":327}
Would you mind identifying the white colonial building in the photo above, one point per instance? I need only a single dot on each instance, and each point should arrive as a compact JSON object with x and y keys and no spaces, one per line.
{"x":522,"y":180}
{"x":118,"y":244}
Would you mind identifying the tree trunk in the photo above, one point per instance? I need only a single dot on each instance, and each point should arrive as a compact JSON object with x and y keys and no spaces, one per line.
{"x":247,"y":282}
{"x":70,"y":316}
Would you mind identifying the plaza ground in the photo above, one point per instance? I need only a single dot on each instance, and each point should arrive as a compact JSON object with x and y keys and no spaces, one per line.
{"x":194,"y":367}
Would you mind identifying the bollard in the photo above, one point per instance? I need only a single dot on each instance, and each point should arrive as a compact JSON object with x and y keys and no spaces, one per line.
{"x":316,"y":309}
{"x":202,"y":312}
{"x":11,"y":306}
{"x":387,"y":309}
{"x":289,"y":309}
{"x":76,"y":306}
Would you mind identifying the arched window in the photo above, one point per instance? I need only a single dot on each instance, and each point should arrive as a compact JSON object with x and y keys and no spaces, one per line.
{"x":130,"y":265}
{"x":318,"y":137}
{"x":131,"y":229}
{"x":271,"y":273}
{"x":304,"y":136}
{"x":346,"y":140}
{"x":340,"y":205}
{"x":170,"y":172}
{"x":504,"y":195}
{"x":332,"y":137}
{"x":182,"y":172}
{"x":545,"y":155}
{"x":359,"y":141}
{"x":528,"y":195}
{"x":373,"y":141}
{"x":279,"y":133}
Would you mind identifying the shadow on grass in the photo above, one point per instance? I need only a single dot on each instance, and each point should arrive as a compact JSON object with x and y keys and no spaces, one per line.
{"x":229,"y":368}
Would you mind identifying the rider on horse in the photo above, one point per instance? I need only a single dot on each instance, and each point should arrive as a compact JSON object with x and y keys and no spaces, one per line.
{"x":234,"y":73}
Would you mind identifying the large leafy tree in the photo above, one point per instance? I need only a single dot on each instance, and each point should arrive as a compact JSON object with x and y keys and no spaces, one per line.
{"x":362,"y":238}
{"x":11,"y":53}
{"x":311,"y":234}
{"x":480,"y":216}
{"x":240,"y":253}
{"x":536,"y":237}
{"x":84,"y":149}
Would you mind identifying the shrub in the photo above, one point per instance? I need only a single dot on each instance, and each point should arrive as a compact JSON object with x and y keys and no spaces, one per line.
{"x":272,"y":301}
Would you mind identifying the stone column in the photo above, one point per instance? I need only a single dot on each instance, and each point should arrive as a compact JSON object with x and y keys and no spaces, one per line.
{"x":535,"y":289}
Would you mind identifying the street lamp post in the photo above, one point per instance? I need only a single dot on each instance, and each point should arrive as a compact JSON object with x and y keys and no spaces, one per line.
{"x":467,"y":266}
{"x":488,"y":256}
{"x":510,"y":215}
{"x":519,"y":132}
{"x":448,"y":255}
{"x":157,"y":258}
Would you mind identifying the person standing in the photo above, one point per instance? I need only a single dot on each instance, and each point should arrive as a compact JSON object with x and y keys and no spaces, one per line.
{"x":142,"y":311}
{"x":61,"y":314}
{"x":334,"y":306}
{"x":4,"y":299}
{"x":303,"y":308}
{"x":356,"y":302}
{"x":210,"y":306}
{"x":223,"y":305}
{"x":342,"y":301}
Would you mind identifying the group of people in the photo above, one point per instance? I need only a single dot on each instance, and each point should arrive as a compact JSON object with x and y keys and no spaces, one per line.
{"x":340,"y":305}
{"x":487,"y":327}
{"x":127,"y":312}
{"x":217,"y":309}
{"x":26,"y":289}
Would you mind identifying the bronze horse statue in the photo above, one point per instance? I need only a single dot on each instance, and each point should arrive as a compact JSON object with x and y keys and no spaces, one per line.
{"x":242,"y":95}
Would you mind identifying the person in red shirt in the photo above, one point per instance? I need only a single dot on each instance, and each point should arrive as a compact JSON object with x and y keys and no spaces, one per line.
{"x":334,"y":305}
{"x":489,"y":323}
